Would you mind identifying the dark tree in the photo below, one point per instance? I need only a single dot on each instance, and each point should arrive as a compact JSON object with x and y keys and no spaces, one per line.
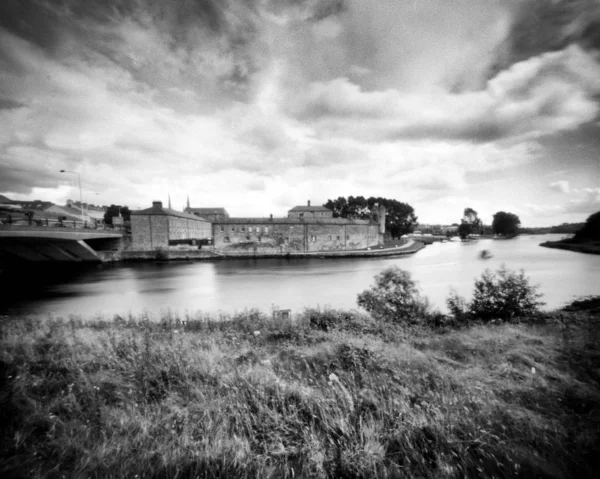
{"x":506,"y":224}
{"x":464,"y":230}
{"x":591,"y":228}
{"x":113,"y":210}
{"x":469,"y":224}
{"x":400,"y":217}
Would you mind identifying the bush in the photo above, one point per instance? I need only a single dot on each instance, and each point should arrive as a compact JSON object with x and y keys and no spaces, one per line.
{"x":394,"y":297}
{"x":503,"y":295}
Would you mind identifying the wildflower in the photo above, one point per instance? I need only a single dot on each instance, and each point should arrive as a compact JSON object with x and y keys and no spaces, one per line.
{"x":256,"y":334}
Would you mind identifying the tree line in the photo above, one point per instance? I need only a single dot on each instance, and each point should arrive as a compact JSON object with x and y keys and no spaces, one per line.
{"x":400,"y":217}
{"x":503,"y":223}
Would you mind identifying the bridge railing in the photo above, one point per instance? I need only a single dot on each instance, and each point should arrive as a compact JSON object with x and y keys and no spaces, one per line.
{"x":55,"y":223}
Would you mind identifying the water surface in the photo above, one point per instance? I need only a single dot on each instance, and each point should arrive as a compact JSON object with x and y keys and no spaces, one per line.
{"x":232,"y":285}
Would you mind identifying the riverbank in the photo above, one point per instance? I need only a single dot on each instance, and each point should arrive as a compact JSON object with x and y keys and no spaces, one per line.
{"x":390,"y":249}
{"x":328,"y":394}
{"x":589,"y":247}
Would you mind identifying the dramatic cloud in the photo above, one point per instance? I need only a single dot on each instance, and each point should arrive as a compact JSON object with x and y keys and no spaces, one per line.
{"x":562,"y":186}
{"x":259,"y":105}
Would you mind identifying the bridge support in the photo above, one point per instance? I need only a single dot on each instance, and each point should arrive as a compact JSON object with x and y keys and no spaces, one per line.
{"x":53,"y":244}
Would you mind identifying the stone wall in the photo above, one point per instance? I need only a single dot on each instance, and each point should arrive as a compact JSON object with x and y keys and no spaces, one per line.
{"x":184,"y":229}
{"x":293,"y":237}
{"x":149,"y":232}
{"x":310,"y":214}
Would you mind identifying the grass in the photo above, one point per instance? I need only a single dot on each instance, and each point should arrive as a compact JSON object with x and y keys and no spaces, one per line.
{"x":329,"y":394}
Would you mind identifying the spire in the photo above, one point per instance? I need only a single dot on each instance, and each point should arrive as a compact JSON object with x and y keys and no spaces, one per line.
{"x":170,"y":202}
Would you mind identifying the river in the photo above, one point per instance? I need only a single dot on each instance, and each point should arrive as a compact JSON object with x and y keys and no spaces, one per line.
{"x":233,"y":285}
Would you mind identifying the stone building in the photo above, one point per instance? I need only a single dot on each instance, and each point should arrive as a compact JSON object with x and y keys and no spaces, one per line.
{"x":159,"y":227}
{"x":310,"y":212}
{"x":297,"y":234}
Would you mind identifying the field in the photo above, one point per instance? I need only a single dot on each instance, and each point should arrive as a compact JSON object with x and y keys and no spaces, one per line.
{"x":328,"y":394}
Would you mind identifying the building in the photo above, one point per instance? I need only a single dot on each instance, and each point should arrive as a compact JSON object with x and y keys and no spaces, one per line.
{"x":310,"y":212}
{"x":159,"y":227}
{"x":300,"y":235}
{"x":209,"y":214}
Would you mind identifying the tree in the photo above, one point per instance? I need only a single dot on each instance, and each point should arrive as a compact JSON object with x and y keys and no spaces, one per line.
{"x":506,"y":224}
{"x":114,"y":210}
{"x":394,"y":297}
{"x":502,"y":295}
{"x":591,"y":228}
{"x":469,"y":224}
{"x":400,"y":217}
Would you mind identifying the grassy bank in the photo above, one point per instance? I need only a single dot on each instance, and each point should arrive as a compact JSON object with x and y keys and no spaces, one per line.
{"x":331,"y":394}
{"x":590,"y":247}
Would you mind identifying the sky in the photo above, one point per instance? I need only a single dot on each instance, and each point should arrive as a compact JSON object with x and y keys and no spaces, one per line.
{"x":261,"y":105}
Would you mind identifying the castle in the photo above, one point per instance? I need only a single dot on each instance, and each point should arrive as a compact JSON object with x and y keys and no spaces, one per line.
{"x":307,"y":229}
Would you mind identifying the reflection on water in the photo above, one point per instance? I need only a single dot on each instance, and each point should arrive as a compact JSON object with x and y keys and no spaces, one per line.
{"x":231,"y":285}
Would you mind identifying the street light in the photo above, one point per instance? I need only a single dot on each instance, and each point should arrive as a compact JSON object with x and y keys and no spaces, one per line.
{"x":80,"y":195}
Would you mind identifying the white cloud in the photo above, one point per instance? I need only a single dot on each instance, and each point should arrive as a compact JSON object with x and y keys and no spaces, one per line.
{"x":561,"y":185}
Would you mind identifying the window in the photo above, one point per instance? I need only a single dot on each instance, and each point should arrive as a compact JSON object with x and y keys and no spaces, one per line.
{"x":226,"y":239}
{"x":248,"y":238}
{"x":321,"y":214}
{"x":233,"y":228}
{"x":222,"y":229}
{"x":301,"y":215}
{"x":330,"y":238}
{"x":249,"y":229}
{"x":266,"y":229}
{"x":243,"y":228}
{"x":313,"y":238}
{"x":338,"y":238}
{"x":347,"y":237}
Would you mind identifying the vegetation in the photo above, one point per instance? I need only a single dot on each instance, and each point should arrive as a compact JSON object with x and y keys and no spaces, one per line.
{"x":586,"y":240}
{"x":116,"y":210}
{"x":400,"y":217}
{"x":329,"y":394}
{"x":394,"y":297}
{"x":590,"y":230}
{"x":469,"y":224}
{"x":506,"y":224}
{"x":501,"y":295}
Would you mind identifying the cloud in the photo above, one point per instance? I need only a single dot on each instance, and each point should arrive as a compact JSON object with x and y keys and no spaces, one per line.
{"x":543,"y":95}
{"x":273,"y":101}
{"x":562,"y":186}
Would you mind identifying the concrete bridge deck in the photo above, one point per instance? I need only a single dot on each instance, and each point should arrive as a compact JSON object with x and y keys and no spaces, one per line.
{"x":40,"y":244}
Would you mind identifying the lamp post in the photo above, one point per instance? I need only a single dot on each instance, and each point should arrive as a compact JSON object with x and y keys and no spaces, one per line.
{"x":80,"y":195}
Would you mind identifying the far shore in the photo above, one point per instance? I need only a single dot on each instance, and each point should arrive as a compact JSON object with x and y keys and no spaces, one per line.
{"x":589,"y":247}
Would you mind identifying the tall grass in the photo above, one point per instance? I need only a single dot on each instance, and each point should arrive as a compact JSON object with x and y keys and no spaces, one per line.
{"x":328,"y":394}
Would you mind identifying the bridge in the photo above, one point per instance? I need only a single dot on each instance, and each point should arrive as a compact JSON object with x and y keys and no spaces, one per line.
{"x":42,"y":244}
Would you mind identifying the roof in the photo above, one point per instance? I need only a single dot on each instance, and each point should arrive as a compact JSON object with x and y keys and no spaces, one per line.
{"x":310,"y":208}
{"x":5,"y":201}
{"x":207,"y":211}
{"x":156,"y":210}
{"x":292,"y":221}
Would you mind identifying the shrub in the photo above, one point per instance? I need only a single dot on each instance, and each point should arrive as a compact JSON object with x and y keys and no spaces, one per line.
{"x":394,"y":297}
{"x":503,"y":294}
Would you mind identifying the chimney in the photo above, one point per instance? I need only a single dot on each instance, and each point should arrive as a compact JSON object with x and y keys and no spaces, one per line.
{"x":157,"y":204}
{"x":308,"y":202}
{"x":271,"y":217}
